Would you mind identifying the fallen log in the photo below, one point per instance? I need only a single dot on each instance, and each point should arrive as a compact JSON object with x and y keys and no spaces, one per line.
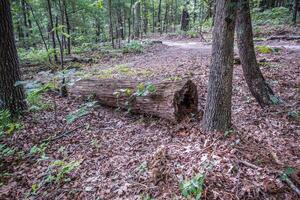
{"x":172,"y":100}
{"x":284,"y":37}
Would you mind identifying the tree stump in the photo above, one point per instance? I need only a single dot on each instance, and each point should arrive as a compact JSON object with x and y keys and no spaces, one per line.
{"x":172,"y":100}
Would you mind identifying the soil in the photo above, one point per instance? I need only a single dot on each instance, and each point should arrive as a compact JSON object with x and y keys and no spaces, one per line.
{"x":116,"y":150}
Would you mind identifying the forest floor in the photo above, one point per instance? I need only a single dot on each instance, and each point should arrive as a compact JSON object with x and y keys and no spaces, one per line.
{"x":111,"y":149}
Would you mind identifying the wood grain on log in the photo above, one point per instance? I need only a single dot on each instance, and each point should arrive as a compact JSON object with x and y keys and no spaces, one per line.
{"x":172,"y":100}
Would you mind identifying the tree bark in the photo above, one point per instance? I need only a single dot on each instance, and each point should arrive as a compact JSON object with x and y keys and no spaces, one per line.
{"x":25,"y":29}
{"x":254,"y":78}
{"x":11,"y":95}
{"x":68,"y":27}
{"x":111,"y":31}
{"x":145,"y":16}
{"x":52,"y":31}
{"x":217,"y":115}
{"x":172,"y":100}
{"x":295,"y":10}
{"x":159,"y":17}
{"x":137,"y":17}
{"x":185,"y":18}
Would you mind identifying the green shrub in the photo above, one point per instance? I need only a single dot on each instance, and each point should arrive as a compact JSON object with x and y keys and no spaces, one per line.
{"x":7,"y":125}
{"x":275,"y":16}
{"x":34,"y":97}
{"x":192,"y":188}
{"x":34,"y":55}
{"x":192,"y":33}
{"x":133,"y":47}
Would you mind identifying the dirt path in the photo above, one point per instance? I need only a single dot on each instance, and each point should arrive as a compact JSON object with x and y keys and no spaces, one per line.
{"x":205,"y":48}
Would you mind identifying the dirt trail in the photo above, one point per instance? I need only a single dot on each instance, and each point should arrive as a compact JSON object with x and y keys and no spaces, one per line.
{"x":206,"y":47}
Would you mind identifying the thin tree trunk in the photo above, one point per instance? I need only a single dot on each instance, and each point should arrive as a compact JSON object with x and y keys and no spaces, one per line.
{"x":40,"y":29}
{"x":153,"y":17}
{"x":137,"y":17}
{"x":217,"y":115}
{"x":111,"y":31}
{"x":68,"y":27}
{"x":159,"y":17}
{"x":12,"y":96}
{"x":254,"y":78}
{"x":145,"y":17}
{"x":25,"y":29}
{"x":295,"y":10}
{"x":52,"y":31}
{"x":63,"y":90}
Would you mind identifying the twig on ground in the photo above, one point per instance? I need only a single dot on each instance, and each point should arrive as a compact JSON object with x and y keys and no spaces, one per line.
{"x":62,"y":135}
{"x":286,"y":179}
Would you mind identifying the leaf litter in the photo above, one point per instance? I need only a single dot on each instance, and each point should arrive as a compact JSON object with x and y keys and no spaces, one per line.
{"x":124,"y":156}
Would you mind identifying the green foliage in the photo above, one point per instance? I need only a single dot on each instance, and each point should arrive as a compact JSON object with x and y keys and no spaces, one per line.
{"x":61,"y":169}
{"x":34,"y":99}
{"x":82,"y":111}
{"x":133,"y":47}
{"x":145,"y":89}
{"x":192,"y":188}
{"x":35,"y":55}
{"x":146,"y":197}
{"x":294,"y":115}
{"x":275,"y":16}
{"x":266,"y":50}
{"x":7,"y":125}
{"x":39,"y":150}
{"x":288,"y":171}
{"x":6,"y":151}
{"x":192,"y":33}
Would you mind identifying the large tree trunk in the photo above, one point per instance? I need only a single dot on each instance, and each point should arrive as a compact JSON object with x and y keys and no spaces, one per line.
{"x":254,"y":78}
{"x":11,"y":95}
{"x":295,"y":10}
{"x":217,"y":115}
{"x":172,"y":100}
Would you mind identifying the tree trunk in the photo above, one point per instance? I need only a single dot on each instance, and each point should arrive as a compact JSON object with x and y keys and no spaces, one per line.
{"x":111,"y":31}
{"x":185,"y":19}
{"x":159,"y":17}
{"x":295,"y":10}
{"x":11,"y":95}
{"x":254,"y":78}
{"x":68,"y":27}
{"x":52,"y":31}
{"x":217,"y":115}
{"x":137,"y":17}
{"x":172,"y":100}
{"x":63,"y":89}
{"x":153,"y":17}
{"x":145,"y":17}
{"x":25,"y":29}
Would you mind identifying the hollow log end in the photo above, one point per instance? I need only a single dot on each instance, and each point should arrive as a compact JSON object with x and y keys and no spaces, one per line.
{"x":186,"y":101}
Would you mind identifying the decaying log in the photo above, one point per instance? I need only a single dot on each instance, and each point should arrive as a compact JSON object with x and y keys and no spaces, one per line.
{"x":172,"y":100}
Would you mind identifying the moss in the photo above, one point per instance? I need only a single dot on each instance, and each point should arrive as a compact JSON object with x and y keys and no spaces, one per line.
{"x":266,"y":50}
